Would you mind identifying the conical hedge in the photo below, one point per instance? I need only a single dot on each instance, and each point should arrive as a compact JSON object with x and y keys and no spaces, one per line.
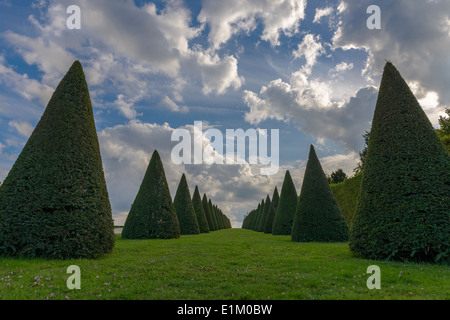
{"x":213,"y":215}
{"x":208,"y":214}
{"x":54,"y":202}
{"x":152,"y":215}
{"x":184,"y":209}
{"x":317,"y":216}
{"x":403,"y":209}
{"x":200,"y":212}
{"x":272,"y":211}
{"x":265,"y":212}
{"x":282,"y":223}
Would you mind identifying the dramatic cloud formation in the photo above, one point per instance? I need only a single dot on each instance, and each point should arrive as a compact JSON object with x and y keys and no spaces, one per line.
{"x":414,"y":35}
{"x":228,"y":18}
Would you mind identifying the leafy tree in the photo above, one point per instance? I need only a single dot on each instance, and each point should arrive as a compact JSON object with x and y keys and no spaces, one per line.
{"x":338,"y":176}
{"x":152,"y":215}
{"x":54,"y":202}
{"x":362,"y":154}
{"x":403,"y":209}
{"x":200,"y":212}
{"x":272,"y":211}
{"x":282,"y":223}
{"x":444,"y":130}
{"x":184,"y":209}
{"x":317,"y":216}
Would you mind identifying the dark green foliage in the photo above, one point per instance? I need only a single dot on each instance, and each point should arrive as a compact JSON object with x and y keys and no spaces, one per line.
{"x":403,"y":209}
{"x":317,"y":216}
{"x":272,"y":211}
{"x":260,"y":214}
{"x":200,"y":212}
{"x":54,"y":203}
{"x":264,"y":214}
{"x":152,"y":215}
{"x":346,"y":195}
{"x":444,"y":130}
{"x":282,"y":223}
{"x":213,"y":215}
{"x":184,"y":209}
{"x":338,"y":176}
{"x":362,"y":154}
{"x":208,"y":213}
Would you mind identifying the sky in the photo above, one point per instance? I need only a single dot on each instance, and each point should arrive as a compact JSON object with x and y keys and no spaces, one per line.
{"x":310,"y":69}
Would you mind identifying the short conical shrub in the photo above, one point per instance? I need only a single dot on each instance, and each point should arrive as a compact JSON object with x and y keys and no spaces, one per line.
{"x":272,"y":211}
{"x":184,"y":209}
{"x":403,"y":209}
{"x":54,"y":202}
{"x":282,"y":223}
{"x":152,"y":215}
{"x":200,"y":212}
{"x":317,"y":216}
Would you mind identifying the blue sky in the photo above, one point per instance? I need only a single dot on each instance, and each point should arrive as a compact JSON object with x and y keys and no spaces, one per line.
{"x":310,"y":69}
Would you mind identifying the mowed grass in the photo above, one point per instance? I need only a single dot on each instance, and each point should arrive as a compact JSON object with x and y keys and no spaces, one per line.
{"x":223,"y":265}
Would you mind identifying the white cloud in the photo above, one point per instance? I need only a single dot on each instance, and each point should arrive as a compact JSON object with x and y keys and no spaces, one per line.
{"x":229,"y":18}
{"x":28,"y":88}
{"x":122,"y":47}
{"x":172,"y":106}
{"x":126,"y":151}
{"x":323,"y":12}
{"x":340,"y":68}
{"x":310,"y":105}
{"x":310,"y":48}
{"x":23,"y":128}
{"x":413,"y":36}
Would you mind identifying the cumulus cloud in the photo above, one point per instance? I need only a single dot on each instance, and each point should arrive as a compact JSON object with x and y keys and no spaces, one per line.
{"x":228,"y":18}
{"x":310,"y":48}
{"x":23,"y":128}
{"x":127,"y":149}
{"x":322,"y":12}
{"x":124,"y":46}
{"x":308,"y":103}
{"x":24,"y":86}
{"x":417,"y":46}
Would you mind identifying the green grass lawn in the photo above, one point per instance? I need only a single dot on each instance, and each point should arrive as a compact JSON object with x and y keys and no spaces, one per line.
{"x":226,"y":264}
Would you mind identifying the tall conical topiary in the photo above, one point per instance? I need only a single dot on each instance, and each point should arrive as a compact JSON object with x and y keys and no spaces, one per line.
{"x":272,"y":211}
{"x":260,"y":214}
{"x":184,"y":209}
{"x":213,"y":215}
{"x":282,"y":223}
{"x":200,"y":212}
{"x":403,"y":209}
{"x":265,"y":213}
{"x":317,"y":216}
{"x":208,"y":214}
{"x":152,"y":215}
{"x":54,"y":202}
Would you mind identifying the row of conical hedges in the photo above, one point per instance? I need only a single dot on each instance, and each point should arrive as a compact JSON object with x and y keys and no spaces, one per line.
{"x":54,"y":202}
{"x":403,"y":202}
{"x":312,"y":216}
{"x":153,"y":215}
